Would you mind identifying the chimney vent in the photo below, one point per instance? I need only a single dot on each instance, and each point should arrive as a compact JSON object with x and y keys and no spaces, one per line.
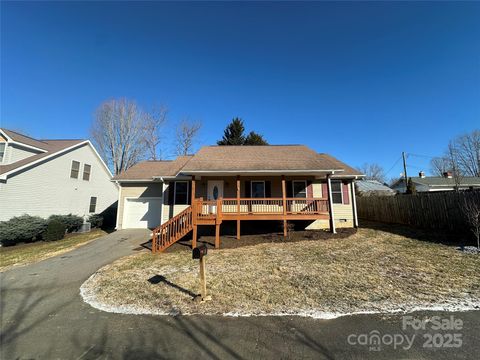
{"x":421,"y":174}
{"x":447,"y":174}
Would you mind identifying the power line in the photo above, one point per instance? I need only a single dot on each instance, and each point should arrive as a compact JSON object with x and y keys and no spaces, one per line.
{"x":395,"y":163}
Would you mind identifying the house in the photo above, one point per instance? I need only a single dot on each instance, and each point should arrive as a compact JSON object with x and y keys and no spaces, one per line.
{"x":372,"y":188}
{"x":45,"y":177}
{"x":438,"y":183}
{"x":236,"y":183}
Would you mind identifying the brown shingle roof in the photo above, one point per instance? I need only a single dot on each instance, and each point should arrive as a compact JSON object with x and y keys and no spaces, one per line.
{"x":240,"y":158}
{"x":257,"y":158}
{"x":50,"y":146}
{"x":146,"y":170}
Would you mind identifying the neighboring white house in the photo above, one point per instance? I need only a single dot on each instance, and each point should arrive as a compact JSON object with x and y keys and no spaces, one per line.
{"x":438,"y":183}
{"x":45,"y":177}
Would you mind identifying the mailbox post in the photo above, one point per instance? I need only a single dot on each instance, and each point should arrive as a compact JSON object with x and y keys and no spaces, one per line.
{"x":200,"y":253}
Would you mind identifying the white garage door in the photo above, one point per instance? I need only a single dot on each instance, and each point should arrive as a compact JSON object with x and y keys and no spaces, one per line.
{"x":142,"y":213}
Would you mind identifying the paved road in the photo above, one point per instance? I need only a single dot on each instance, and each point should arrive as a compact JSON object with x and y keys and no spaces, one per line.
{"x":44,"y":317}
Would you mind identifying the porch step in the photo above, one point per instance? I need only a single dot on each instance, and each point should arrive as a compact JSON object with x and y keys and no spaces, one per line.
{"x":173,"y":230}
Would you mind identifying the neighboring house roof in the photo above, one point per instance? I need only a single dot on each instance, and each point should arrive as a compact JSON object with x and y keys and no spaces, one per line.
{"x":50,"y":148}
{"x":231,"y":159}
{"x":440,"y":181}
{"x":146,"y":170}
{"x":368,"y":186}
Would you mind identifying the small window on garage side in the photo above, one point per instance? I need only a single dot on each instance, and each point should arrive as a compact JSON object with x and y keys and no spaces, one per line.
{"x":93,"y":204}
{"x":86,"y":171}
{"x":181,"y":192}
{"x":75,"y":169}
{"x":337,"y":197}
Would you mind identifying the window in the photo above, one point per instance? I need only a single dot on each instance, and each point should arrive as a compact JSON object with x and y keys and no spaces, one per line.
{"x":75,"y":169}
{"x":86,"y":172}
{"x":258,"y":189}
{"x":337,"y":196}
{"x":299,"y":188}
{"x":2,"y":151}
{"x":93,"y":204}
{"x":181,"y":192}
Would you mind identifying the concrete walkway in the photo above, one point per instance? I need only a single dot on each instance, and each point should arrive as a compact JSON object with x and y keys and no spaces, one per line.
{"x":44,"y":317}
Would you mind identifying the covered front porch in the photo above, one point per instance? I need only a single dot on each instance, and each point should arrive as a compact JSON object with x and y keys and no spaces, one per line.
{"x":282,"y":198}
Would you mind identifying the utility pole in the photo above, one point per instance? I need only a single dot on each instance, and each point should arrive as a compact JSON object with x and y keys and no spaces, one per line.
{"x":405,"y":170}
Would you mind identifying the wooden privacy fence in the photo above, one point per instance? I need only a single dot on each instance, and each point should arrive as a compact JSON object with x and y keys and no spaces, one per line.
{"x":442,"y":210}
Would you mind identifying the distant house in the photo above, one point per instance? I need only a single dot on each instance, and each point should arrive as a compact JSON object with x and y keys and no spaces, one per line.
{"x":45,"y":177}
{"x":438,"y":183}
{"x":372,"y":188}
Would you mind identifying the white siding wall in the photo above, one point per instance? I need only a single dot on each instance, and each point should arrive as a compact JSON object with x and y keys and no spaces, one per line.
{"x":170,"y":211}
{"x":16,"y":153}
{"x":47,"y":189}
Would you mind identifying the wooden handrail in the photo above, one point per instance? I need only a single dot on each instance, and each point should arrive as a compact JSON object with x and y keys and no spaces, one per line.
{"x":172,"y":230}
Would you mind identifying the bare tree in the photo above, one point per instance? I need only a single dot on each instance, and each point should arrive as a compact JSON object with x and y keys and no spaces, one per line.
{"x":440,"y":165}
{"x":471,"y":209}
{"x":452,"y":156}
{"x":154,"y":122}
{"x":185,"y":136}
{"x":467,"y":149}
{"x":118,"y":132}
{"x":373,"y":171}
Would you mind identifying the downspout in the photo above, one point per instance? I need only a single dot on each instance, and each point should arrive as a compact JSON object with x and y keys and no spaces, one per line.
{"x":330,"y":203}
{"x":354,"y":204}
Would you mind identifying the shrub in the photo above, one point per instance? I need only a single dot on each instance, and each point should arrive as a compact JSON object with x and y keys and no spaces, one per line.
{"x":21,"y":228}
{"x":55,"y":230}
{"x":71,"y":222}
{"x":95,"y":220}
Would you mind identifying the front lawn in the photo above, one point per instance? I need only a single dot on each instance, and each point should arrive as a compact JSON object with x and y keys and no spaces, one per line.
{"x":24,"y":254}
{"x":372,"y":270}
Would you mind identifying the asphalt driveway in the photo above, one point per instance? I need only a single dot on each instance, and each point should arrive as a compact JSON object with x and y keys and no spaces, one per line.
{"x":44,"y":317}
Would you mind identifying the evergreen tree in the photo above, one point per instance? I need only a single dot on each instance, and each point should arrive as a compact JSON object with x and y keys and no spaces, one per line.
{"x":233,"y":133}
{"x":411,"y":189}
{"x":254,"y":139}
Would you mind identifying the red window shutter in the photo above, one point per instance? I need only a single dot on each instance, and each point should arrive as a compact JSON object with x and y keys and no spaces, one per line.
{"x":346,"y":199}
{"x":309,"y":190}
{"x":324,"y":191}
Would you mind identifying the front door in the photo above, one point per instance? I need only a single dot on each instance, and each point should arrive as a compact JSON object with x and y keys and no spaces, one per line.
{"x":215,"y":189}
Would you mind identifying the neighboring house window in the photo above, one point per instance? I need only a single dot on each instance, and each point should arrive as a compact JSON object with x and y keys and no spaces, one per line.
{"x":86,"y":172}
{"x":181,"y":192}
{"x":337,"y":196}
{"x":2,"y":151}
{"x":75,"y":169}
{"x":299,"y":188}
{"x":93,"y":204}
{"x":258,"y":189}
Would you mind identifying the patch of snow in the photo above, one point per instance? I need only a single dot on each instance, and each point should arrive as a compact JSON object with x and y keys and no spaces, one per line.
{"x":88,"y":294}
{"x":469,"y":250}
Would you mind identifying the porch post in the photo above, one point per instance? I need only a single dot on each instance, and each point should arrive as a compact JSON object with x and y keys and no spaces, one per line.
{"x":354,"y":204}
{"x":194,"y":215}
{"x":330,"y":205}
{"x":218,"y":221}
{"x":284,"y":202}
{"x":238,"y":207}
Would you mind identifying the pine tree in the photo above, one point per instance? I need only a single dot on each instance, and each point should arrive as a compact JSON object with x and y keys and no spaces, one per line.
{"x":233,"y":133}
{"x":254,"y":139}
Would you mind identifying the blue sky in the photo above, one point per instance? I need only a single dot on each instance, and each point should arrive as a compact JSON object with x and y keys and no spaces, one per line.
{"x":362,"y":81}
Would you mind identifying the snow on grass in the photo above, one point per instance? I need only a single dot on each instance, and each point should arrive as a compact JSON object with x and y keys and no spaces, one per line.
{"x":370,"y":272}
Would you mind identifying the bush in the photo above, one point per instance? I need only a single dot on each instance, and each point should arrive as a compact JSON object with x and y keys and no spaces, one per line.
{"x":95,"y":220}
{"x":55,"y":230}
{"x":21,"y":229}
{"x":71,"y":222}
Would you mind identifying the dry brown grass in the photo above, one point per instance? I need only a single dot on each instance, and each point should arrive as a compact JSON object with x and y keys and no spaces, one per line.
{"x":29,"y":253}
{"x":371,"y":270}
